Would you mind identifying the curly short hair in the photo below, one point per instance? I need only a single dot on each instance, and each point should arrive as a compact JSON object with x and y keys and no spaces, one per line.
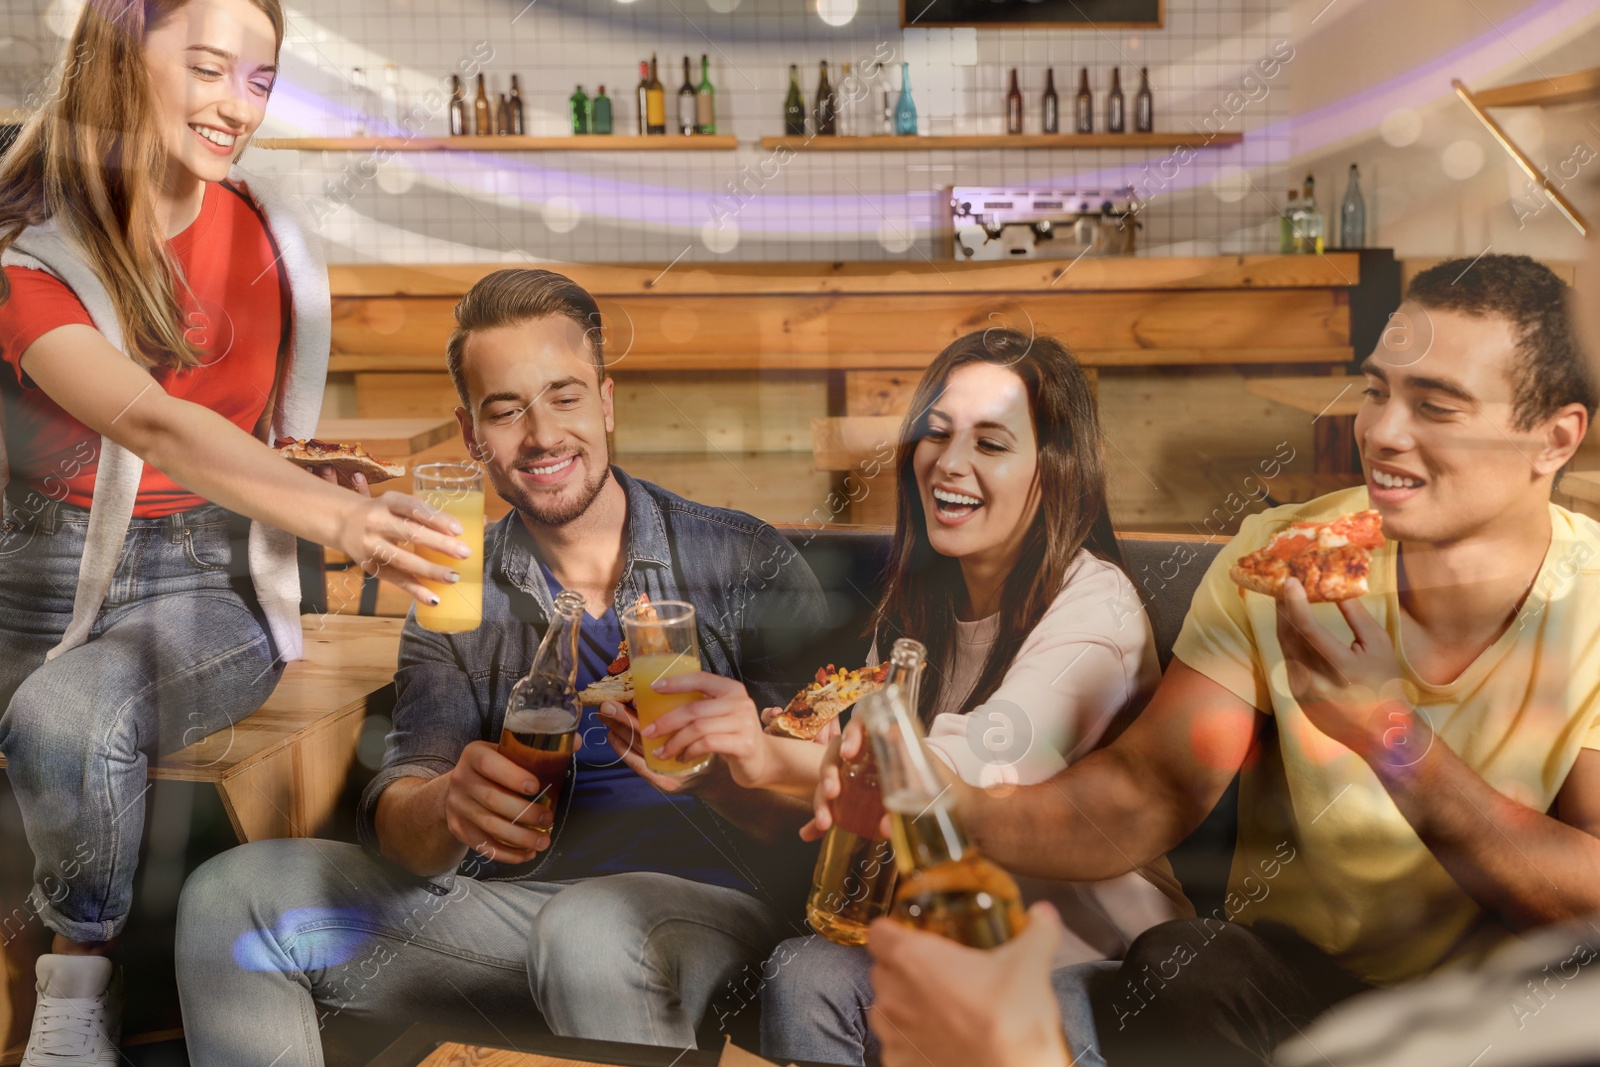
{"x":1550,"y":371}
{"x":517,"y":295}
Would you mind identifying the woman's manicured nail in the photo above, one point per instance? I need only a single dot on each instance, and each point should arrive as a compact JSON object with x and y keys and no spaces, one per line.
{"x":454,"y":577}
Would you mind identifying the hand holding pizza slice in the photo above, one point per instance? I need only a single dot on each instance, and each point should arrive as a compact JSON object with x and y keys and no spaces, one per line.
{"x":1332,"y":560}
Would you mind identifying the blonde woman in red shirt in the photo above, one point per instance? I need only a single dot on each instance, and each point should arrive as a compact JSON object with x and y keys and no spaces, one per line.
{"x":162,"y":315}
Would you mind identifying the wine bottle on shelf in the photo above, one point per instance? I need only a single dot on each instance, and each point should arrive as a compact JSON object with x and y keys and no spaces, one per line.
{"x":824,"y":114}
{"x":655,"y":101}
{"x":1116,"y":107}
{"x":886,"y":125}
{"x":905,"y":111}
{"x":1014,"y":106}
{"x":1144,"y":107}
{"x":519,"y":117}
{"x":360,"y":102}
{"x":1311,"y":218}
{"x":705,"y":100}
{"x":794,"y":106}
{"x":458,"y":106}
{"x":1084,"y":105}
{"x":482,"y":120}
{"x":1353,"y":214}
{"x":391,"y":101}
{"x":600,"y":112}
{"x":1052,"y":104}
{"x":1289,"y":225}
{"x":579,"y":104}
{"x":502,"y":117}
{"x":642,"y":97}
{"x":686,"y":102}
{"x":848,"y":117}
{"x":945,"y":885}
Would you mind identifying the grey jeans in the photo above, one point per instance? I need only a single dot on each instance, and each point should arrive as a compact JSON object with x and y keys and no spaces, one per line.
{"x":815,"y":999}
{"x":270,"y":932}
{"x":178,"y":652}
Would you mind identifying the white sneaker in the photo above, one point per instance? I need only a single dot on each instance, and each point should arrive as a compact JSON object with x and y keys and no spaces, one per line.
{"x":78,"y":1019}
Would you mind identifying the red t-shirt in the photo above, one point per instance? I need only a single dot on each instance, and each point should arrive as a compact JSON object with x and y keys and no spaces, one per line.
{"x":237,"y":310}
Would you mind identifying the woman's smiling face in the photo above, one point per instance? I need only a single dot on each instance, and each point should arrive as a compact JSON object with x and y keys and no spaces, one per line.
{"x":977,"y":464}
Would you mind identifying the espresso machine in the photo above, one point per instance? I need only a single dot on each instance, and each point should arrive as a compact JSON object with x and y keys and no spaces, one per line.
{"x":992,"y":224}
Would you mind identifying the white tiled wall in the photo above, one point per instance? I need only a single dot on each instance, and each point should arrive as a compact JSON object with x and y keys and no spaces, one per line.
{"x":657,"y":206}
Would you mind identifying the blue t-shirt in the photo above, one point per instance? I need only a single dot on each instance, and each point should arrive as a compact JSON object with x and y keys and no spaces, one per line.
{"x":616,"y":821}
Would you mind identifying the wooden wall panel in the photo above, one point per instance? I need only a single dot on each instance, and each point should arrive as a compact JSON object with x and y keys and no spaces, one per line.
{"x":708,"y":413}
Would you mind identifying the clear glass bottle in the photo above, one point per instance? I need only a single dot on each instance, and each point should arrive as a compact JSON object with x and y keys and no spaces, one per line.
{"x":1289,"y":225}
{"x":905,"y":110}
{"x":360,"y":103}
{"x":1309,"y":233}
{"x":1353,"y":213}
{"x":540,"y":730}
{"x":854,"y":880}
{"x":945,"y":886}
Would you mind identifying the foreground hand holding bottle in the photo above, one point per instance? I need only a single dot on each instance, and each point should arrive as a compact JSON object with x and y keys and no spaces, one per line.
{"x":945,"y":886}
{"x":540,"y":733}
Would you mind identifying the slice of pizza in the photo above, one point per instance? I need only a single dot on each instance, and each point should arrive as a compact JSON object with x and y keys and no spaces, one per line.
{"x":825,"y":699}
{"x":1331,"y":559}
{"x":618,"y":681}
{"x":309,"y":452}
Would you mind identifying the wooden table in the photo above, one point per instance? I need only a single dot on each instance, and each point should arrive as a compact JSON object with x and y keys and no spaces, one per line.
{"x":442,"y":1045}
{"x":1332,"y":401}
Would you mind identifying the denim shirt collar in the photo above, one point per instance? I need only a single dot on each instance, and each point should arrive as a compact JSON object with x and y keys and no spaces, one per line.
{"x":645,"y":536}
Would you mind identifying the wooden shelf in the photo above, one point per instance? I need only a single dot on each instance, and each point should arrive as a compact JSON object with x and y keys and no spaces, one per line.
{"x":883,"y":143}
{"x":1572,"y":88}
{"x":574,"y":143}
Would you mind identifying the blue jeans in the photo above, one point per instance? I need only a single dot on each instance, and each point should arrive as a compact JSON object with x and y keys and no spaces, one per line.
{"x":271,"y":931}
{"x":814,"y":1005}
{"x":178,"y":652}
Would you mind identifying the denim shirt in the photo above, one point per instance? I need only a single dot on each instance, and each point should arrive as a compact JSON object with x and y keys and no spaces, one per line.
{"x":756,"y":603}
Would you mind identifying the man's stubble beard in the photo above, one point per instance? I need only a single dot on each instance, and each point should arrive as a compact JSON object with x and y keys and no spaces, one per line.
{"x":558,"y":514}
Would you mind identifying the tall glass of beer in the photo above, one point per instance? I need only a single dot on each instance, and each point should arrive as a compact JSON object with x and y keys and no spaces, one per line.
{"x":456,"y":489}
{"x":661,"y":643}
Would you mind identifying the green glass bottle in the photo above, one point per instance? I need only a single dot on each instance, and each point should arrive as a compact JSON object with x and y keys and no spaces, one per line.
{"x":600,"y":110}
{"x":580,"y":111}
{"x":705,"y":101}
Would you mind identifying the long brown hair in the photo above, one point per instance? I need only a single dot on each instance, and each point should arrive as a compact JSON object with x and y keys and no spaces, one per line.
{"x":91,"y":158}
{"x":924,"y":589}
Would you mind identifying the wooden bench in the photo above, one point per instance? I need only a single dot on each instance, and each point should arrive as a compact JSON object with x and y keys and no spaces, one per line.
{"x":280,"y":770}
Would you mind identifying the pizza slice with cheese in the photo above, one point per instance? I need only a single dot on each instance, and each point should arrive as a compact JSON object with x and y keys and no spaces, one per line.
{"x":1331,"y":559}
{"x":617,"y":684}
{"x":825,"y":699}
{"x":309,"y":452}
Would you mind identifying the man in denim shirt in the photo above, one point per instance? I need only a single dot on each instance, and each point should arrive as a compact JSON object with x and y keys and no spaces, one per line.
{"x":624,"y":920}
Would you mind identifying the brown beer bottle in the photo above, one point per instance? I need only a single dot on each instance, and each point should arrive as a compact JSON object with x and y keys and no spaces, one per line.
{"x":855,"y":876}
{"x":482,"y":118}
{"x":945,"y":886}
{"x":541,"y":724}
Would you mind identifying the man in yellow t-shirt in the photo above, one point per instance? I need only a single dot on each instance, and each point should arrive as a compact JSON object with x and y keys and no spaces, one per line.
{"x":1419,"y":774}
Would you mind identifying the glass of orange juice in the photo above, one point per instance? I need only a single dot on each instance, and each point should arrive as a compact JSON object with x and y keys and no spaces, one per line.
{"x":456,"y":489}
{"x":661,"y":643}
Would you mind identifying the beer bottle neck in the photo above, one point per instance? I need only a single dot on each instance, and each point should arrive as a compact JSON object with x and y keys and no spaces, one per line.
{"x":558,"y":652}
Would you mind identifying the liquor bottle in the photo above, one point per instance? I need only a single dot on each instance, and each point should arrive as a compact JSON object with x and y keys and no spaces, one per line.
{"x":1014,"y":106}
{"x":482,"y":121}
{"x":849,"y":115}
{"x":519,"y":117}
{"x":1311,"y":219}
{"x":686,"y":102}
{"x":1289,"y":225}
{"x":887,"y":124}
{"x":655,"y":101}
{"x":579,"y":108}
{"x":502,"y":117}
{"x":1083,"y":107}
{"x":1116,"y":107}
{"x":1353,"y":214}
{"x":854,"y":880}
{"x":794,"y":106}
{"x":542,"y":716}
{"x":905,"y":111}
{"x":825,"y":112}
{"x":391,"y":102}
{"x":1052,"y":103}
{"x":1144,"y":105}
{"x":360,"y":103}
{"x":945,"y":885}
{"x":642,"y":97}
{"x":458,"y":106}
{"x":600,"y":112}
{"x":705,"y":100}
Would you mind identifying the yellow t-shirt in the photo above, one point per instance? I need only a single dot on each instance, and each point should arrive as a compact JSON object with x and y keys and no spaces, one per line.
{"x":1322,"y":847}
